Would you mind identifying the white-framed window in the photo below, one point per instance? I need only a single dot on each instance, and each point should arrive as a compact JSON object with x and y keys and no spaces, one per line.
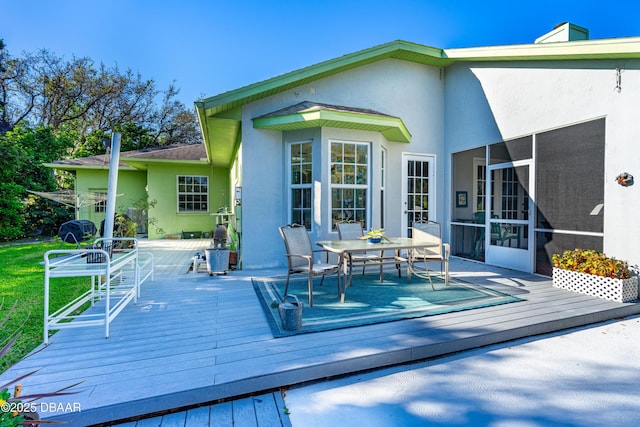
{"x":349,"y":171}
{"x":480,"y":180}
{"x":101,"y":205}
{"x":300,"y":182}
{"x":510,"y":197}
{"x":193,"y":193}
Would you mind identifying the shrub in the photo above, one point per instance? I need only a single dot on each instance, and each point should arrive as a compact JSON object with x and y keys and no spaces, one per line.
{"x":590,"y":261}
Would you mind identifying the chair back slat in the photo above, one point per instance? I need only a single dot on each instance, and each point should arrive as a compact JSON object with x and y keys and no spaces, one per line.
{"x":428,"y":232}
{"x":296,"y":241}
{"x":349,"y":230}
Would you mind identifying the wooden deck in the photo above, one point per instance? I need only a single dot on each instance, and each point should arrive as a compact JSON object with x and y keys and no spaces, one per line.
{"x":193,"y":340}
{"x":266,"y":410}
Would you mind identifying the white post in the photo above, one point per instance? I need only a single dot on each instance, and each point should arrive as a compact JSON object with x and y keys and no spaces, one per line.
{"x":112,"y":186}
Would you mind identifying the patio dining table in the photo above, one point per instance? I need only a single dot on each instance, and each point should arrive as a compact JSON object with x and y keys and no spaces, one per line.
{"x":346,"y":248}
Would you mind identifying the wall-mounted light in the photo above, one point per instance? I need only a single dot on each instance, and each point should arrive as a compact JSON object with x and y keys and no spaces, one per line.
{"x":618,"y":87}
{"x":625,"y":179}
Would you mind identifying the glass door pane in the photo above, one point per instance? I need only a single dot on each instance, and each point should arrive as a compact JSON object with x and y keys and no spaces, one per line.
{"x":509,"y":225}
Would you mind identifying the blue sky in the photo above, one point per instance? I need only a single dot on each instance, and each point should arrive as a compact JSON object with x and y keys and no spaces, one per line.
{"x":210,"y":47}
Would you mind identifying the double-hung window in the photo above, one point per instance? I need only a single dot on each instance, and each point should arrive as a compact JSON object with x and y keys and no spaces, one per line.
{"x":349,"y":182}
{"x":300,"y":182}
{"x":193,"y":193}
{"x":100,"y":206}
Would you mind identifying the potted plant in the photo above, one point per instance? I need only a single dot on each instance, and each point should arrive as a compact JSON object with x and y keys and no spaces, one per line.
{"x":375,"y":235}
{"x":590,"y":272}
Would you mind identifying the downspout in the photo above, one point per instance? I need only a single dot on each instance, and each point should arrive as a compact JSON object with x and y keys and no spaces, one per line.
{"x":112,"y":186}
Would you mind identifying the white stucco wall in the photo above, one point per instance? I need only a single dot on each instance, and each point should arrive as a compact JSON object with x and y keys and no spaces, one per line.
{"x":410,"y":91}
{"x":489,"y":102}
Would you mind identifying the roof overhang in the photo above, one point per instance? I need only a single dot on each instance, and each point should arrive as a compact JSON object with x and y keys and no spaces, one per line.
{"x":143,"y":164}
{"x":74,"y":167}
{"x":314,"y":115}
{"x":221,"y":135}
{"x":628,"y":47}
{"x":220,"y":115}
{"x":133,"y":160}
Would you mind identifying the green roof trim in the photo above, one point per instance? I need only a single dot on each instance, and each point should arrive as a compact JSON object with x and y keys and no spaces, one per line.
{"x":220,"y":115}
{"x":397,"y":50}
{"x":627,"y":47}
{"x":392,"y":128}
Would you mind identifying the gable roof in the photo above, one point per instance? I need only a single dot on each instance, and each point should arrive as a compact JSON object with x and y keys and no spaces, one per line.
{"x":138,"y":159}
{"x":220,"y":115}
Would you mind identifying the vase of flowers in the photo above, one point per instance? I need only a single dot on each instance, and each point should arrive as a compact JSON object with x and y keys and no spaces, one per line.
{"x":375,"y":235}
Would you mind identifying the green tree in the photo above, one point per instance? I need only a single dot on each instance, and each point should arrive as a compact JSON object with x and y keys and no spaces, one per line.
{"x":18,"y":89}
{"x":22,"y":154}
{"x":55,"y":108}
{"x":91,"y":100}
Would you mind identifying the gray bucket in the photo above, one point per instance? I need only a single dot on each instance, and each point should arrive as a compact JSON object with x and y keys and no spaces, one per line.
{"x":291,"y":313}
{"x":217,"y":260}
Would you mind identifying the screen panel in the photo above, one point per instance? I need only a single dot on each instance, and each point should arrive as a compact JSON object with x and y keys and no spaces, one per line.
{"x":570,"y":177}
{"x":548,"y":244}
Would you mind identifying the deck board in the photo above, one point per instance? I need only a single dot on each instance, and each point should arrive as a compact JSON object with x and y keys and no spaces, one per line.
{"x":222,"y":414}
{"x":193,"y":339}
{"x":198,"y":417}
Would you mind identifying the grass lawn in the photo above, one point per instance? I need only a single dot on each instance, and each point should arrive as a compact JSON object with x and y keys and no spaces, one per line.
{"x":22,"y":280}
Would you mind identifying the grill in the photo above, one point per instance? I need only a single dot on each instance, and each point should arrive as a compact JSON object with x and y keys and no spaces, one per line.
{"x":77,"y":231}
{"x":219,"y":236}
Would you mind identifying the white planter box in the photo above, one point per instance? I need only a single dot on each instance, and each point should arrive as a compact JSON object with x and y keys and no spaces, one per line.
{"x":620,"y":290}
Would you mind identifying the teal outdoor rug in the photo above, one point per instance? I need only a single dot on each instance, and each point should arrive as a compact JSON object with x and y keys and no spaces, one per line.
{"x":370,"y":301}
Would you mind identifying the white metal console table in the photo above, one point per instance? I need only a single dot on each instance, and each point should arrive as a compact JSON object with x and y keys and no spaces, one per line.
{"x":115,"y":279}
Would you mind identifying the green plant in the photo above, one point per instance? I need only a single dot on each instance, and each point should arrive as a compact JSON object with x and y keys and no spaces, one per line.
{"x":124,"y":226}
{"x":233,"y":244}
{"x":142,"y":217}
{"x":374,"y":233}
{"x":590,"y":261}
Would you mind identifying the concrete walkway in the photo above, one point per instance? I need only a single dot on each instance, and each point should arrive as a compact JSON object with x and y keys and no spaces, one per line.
{"x":586,"y":377}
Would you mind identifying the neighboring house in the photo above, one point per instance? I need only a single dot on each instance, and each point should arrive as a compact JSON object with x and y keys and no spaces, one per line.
{"x":181,"y":184}
{"x":514,"y":149}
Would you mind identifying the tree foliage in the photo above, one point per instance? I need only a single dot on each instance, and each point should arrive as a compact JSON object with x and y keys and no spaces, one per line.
{"x":22,"y":154}
{"x":78,"y":95}
{"x":55,"y":108}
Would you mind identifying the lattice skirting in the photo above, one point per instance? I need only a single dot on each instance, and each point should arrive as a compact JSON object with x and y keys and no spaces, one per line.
{"x":620,"y":290}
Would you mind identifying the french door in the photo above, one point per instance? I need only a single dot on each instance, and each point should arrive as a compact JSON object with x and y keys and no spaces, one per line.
{"x":418,"y":183}
{"x":509,"y":225}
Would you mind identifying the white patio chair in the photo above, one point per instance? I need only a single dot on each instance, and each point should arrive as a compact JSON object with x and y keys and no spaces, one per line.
{"x":300,"y":257}
{"x":429,"y":232}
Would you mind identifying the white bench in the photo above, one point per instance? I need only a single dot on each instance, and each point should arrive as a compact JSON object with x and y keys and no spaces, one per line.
{"x":115,"y":279}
